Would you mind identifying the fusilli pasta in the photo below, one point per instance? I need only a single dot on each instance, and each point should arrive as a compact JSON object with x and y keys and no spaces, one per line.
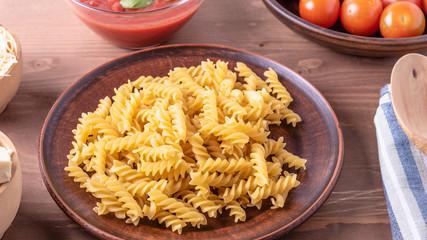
{"x":193,"y":143}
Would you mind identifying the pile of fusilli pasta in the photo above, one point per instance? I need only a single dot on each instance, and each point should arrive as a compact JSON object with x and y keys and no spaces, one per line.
{"x":180,"y":147}
{"x":8,"y":51}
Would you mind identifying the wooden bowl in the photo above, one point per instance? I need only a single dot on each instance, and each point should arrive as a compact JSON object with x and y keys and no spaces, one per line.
{"x":338,"y":39}
{"x":10,"y":192}
{"x":10,"y":82}
{"x":318,"y":138}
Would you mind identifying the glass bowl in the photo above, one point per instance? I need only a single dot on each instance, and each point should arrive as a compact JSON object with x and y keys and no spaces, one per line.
{"x":136,"y":29}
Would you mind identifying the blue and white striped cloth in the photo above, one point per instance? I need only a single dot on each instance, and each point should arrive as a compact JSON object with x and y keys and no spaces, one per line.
{"x":404,"y":174}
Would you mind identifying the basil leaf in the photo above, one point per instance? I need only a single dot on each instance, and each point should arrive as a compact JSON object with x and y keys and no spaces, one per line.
{"x":135,"y":3}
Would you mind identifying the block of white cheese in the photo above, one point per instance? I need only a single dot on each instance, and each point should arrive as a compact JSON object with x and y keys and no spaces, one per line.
{"x":5,"y":165}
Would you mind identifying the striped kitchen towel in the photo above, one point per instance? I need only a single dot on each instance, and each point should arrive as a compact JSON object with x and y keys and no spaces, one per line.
{"x":404,"y":174}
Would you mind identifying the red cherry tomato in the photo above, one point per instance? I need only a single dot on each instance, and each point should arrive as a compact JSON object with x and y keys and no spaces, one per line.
{"x":425,"y":6}
{"x":361,"y":17}
{"x":320,"y":12}
{"x":419,"y":3}
{"x":402,"y":19}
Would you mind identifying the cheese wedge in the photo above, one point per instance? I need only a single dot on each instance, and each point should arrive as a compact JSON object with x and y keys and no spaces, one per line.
{"x":5,"y":165}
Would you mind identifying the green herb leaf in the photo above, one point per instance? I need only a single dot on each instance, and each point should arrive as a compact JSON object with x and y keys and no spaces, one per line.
{"x":135,"y":3}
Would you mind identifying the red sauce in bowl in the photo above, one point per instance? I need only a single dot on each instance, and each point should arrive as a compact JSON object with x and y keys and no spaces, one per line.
{"x":135,"y":28}
{"x":114,"y":5}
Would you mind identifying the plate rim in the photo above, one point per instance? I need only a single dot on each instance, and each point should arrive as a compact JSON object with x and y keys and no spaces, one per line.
{"x":280,"y":231}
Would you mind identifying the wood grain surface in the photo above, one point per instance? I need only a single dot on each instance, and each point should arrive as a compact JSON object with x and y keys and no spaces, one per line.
{"x":58,"y":49}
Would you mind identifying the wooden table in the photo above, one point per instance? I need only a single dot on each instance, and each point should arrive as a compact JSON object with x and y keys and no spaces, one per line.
{"x":59,"y":49}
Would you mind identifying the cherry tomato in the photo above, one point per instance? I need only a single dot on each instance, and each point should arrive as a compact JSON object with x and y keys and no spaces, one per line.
{"x":419,"y":3}
{"x":402,"y":19}
{"x":425,"y":6}
{"x":320,"y":12}
{"x":361,"y":17}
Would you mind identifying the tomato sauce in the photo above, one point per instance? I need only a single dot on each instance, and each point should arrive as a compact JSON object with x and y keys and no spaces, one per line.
{"x":135,"y":28}
{"x":114,"y":5}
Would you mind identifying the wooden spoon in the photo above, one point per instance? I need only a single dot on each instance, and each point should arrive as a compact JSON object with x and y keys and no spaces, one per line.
{"x":409,"y":97}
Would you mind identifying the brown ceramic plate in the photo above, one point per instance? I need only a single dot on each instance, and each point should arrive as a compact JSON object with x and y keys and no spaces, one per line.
{"x":338,"y":39}
{"x":318,"y":138}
